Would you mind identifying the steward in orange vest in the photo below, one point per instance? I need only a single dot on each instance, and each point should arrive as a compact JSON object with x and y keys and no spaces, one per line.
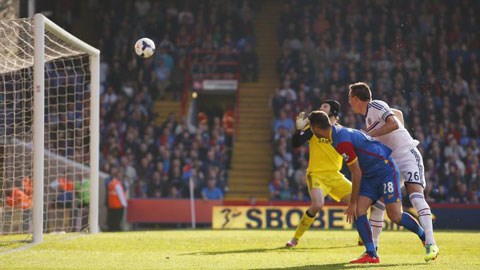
{"x":117,"y":202}
{"x":117,"y":197}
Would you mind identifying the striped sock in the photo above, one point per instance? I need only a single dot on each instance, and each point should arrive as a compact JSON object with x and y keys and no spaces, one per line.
{"x":424,"y":215}
{"x":376,"y":220}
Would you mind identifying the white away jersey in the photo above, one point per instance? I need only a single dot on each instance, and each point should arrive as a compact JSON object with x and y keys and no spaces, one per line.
{"x":398,"y":140}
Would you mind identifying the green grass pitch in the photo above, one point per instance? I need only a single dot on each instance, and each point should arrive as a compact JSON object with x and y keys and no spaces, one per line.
{"x":235,"y":249}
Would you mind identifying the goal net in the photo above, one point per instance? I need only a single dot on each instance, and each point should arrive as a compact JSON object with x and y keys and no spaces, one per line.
{"x":49,"y":85}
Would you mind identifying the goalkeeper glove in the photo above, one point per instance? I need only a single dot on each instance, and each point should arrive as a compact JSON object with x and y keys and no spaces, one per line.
{"x":300,"y":123}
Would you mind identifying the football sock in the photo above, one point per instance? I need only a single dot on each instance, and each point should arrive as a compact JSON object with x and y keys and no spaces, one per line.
{"x":365,"y":231}
{"x":424,"y":215}
{"x":304,"y":224}
{"x":411,"y":224}
{"x":376,"y":220}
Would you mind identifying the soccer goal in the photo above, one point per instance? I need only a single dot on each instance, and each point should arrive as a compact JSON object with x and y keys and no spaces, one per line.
{"x":49,"y":129}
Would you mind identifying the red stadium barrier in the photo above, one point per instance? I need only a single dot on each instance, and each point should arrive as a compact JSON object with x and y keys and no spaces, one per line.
{"x":177,"y":211}
{"x":169,"y":211}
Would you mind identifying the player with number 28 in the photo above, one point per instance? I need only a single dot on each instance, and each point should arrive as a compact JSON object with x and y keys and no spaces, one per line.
{"x":374,"y":176}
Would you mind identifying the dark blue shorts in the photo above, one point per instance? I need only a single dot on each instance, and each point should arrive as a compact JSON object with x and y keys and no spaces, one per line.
{"x":385,"y":182}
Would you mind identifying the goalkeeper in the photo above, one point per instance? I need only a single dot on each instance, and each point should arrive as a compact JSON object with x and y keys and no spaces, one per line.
{"x":323,"y":172}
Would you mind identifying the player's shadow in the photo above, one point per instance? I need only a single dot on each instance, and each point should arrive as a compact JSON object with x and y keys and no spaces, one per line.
{"x":256,"y":250}
{"x":344,"y":266}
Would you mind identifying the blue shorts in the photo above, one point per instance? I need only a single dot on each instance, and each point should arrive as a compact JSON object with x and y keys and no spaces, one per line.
{"x":384,"y":183}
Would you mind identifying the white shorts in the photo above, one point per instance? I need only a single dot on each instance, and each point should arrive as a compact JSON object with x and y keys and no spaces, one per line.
{"x":410,"y":164}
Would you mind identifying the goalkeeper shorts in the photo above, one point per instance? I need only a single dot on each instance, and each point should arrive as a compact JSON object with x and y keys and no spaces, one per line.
{"x":332,"y":183}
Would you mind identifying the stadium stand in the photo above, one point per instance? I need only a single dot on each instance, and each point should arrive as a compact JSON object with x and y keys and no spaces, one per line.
{"x":156,"y":147}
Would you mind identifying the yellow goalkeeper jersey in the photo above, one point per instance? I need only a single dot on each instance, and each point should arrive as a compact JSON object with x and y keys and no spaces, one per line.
{"x":323,"y":157}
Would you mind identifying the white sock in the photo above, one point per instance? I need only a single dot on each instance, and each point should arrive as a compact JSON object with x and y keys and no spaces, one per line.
{"x":376,"y":220}
{"x":424,"y":215}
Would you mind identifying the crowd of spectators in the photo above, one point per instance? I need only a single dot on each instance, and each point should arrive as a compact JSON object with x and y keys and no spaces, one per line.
{"x":161,"y":161}
{"x":419,"y":56}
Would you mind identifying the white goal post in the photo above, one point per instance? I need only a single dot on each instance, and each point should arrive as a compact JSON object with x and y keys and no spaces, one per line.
{"x":49,"y":129}
{"x":41,"y":23}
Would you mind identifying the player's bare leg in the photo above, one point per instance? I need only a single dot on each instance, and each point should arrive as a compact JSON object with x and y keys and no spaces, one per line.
{"x":346,"y":199}
{"x":308,"y":217}
{"x":418,"y":201}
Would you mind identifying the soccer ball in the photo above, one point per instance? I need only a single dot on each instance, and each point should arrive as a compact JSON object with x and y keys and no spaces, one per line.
{"x":145,"y":47}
